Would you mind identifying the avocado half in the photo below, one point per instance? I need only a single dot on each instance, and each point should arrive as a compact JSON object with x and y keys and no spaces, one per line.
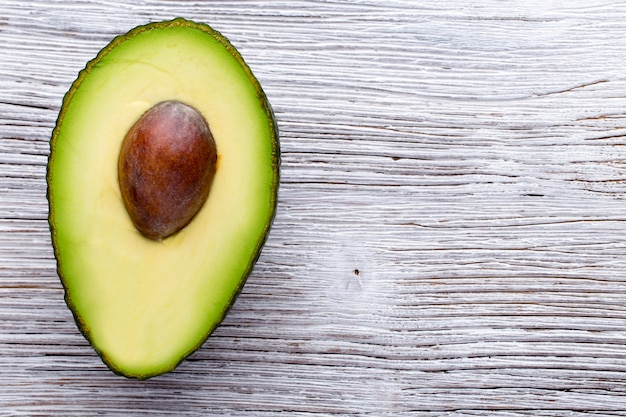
{"x":143,"y":304}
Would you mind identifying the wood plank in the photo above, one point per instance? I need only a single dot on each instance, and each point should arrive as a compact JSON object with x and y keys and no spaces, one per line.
{"x":449,"y":237}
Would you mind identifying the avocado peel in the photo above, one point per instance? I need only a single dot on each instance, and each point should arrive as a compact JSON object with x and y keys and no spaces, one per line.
{"x":145,"y":305}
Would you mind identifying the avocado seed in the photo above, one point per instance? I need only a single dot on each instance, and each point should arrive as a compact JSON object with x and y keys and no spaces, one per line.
{"x":165,"y":169}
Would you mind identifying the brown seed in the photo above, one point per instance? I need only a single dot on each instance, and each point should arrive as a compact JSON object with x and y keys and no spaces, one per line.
{"x":165,"y":169}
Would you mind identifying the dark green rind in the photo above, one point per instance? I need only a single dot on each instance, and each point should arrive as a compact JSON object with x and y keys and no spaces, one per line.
{"x":180,"y":22}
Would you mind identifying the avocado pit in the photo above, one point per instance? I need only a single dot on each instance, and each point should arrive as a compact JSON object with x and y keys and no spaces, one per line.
{"x":165,"y":168}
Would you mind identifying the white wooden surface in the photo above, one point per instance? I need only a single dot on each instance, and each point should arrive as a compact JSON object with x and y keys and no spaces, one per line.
{"x":450,"y":232}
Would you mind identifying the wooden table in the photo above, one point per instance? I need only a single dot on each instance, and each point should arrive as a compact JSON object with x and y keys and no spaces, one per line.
{"x":450,"y":229}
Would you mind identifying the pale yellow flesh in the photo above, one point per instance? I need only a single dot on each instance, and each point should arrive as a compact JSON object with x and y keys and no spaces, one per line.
{"x":145,"y":304}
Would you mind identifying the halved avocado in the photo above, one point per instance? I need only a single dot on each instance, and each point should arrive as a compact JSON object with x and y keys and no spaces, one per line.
{"x":146,"y":304}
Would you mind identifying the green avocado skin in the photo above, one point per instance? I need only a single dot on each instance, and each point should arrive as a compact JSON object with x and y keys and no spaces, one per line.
{"x":145,"y":306}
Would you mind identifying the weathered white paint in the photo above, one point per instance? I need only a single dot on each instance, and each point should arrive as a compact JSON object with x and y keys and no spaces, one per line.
{"x":450,"y":233}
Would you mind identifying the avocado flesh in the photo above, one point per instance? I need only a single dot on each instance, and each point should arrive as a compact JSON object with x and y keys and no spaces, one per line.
{"x":145,"y":305}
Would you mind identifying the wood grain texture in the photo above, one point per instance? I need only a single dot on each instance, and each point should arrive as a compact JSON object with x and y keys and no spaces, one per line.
{"x":450,"y":230}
